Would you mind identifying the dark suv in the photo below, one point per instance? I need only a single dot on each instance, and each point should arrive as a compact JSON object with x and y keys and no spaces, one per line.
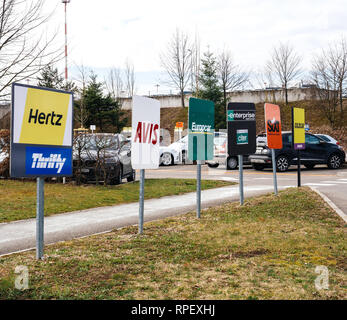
{"x":317,"y":151}
{"x":102,"y":157}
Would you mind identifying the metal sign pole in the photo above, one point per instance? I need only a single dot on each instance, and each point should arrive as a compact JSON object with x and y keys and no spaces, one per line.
{"x":274,"y":170}
{"x":241,"y":178}
{"x":142,"y":198}
{"x":39,"y":218}
{"x":198,"y":189}
{"x":299,"y":169}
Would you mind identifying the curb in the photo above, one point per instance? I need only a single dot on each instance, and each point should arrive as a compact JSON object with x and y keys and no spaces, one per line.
{"x":331,"y":204}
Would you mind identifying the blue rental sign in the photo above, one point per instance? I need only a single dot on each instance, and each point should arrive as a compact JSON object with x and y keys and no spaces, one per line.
{"x":43,"y":161}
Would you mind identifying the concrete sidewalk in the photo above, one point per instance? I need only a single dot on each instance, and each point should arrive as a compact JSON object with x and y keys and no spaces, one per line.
{"x":21,"y":235}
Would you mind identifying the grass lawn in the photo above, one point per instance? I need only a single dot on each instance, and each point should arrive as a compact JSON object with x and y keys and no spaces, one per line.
{"x":267,"y":249}
{"x":18,"y":198}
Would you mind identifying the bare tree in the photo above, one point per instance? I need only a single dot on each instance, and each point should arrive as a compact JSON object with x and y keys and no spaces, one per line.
{"x":195,"y":65}
{"x":129,"y":78}
{"x":285,"y":65}
{"x":81,"y":115}
{"x":329,"y":73}
{"x":114,"y":84}
{"x":24,"y":46}
{"x":230,"y":74}
{"x":177,"y":62}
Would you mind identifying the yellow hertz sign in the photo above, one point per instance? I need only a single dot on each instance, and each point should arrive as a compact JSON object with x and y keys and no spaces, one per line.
{"x":42,"y":116}
{"x":299,"y":128}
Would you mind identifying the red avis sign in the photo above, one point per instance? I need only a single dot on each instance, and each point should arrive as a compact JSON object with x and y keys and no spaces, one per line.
{"x":147,"y":132}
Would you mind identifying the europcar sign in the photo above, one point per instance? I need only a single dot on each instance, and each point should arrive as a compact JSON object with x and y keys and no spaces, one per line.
{"x":41,"y":132}
{"x":145,"y":135}
{"x":200,"y":129}
{"x":241,"y":128}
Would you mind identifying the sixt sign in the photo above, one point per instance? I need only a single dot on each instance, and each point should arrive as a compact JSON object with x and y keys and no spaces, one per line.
{"x":41,"y":132}
{"x":48,"y":161}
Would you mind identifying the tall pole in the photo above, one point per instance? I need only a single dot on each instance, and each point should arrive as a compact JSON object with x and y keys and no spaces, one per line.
{"x":66,"y":75}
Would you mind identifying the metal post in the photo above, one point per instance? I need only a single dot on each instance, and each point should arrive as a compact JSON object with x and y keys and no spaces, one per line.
{"x":274,"y":170}
{"x":241,"y":178}
{"x":198,"y":189}
{"x":299,"y":169}
{"x":142,"y":198}
{"x":39,"y":218}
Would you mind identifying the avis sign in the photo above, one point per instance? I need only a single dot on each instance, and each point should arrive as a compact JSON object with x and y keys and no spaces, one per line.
{"x":145,"y":133}
{"x":41,"y":132}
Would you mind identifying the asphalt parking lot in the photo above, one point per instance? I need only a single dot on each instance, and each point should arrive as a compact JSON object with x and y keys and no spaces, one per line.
{"x":331,"y":183}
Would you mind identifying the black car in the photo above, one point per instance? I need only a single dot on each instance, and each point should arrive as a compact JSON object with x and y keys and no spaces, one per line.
{"x":102,"y":157}
{"x":317,"y":151}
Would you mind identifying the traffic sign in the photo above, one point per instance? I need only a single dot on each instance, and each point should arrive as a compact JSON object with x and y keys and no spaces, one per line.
{"x":179,"y":124}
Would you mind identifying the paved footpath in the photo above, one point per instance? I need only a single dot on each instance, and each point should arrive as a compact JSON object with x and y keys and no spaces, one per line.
{"x":20,"y":235}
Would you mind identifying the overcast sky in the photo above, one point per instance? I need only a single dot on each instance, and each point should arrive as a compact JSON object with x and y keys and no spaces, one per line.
{"x":103,"y":34}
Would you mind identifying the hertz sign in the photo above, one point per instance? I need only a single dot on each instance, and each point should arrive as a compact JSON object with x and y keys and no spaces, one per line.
{"x":41,"y":132}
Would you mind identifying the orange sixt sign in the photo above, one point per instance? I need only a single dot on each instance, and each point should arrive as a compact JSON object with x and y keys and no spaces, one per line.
{"x":273,"y":126}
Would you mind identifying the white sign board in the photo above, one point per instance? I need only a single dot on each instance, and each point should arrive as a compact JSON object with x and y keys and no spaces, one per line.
{"x":145,"y":134}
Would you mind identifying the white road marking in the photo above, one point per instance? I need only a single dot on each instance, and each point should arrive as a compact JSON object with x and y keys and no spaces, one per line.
{"x":319,"y":184}
{"x":336,"y":181}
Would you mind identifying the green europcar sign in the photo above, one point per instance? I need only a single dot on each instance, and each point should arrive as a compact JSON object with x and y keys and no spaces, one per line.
{"x":200,"y":129}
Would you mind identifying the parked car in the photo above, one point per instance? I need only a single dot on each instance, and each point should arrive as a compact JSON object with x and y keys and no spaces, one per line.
{"x":102,"y":157}
{"x":327,"y":138}
{"x":175,"y":153}
{"x":221,"y":149}
{"x":317,"y":151}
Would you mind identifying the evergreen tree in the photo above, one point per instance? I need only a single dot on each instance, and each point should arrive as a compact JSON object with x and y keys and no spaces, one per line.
{"x":49,"y":78}
{"x":103,"y":111}
{"x":210,"y":88}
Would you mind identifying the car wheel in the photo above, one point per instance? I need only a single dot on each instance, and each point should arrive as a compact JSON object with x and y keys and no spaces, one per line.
{"x":232,"y":163}
{"x":309,"y":166}
{"x":282,"y":163}
{"x":166,"y":159}
{"x":334,"y":161}
{"x":213,"y":165}
{"x":132,"y":177}
{"x":119,"y":178}
{"x":257,"y":166}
